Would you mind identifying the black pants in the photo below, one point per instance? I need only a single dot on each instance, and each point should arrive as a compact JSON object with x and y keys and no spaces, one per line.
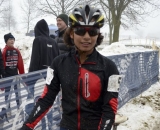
{"x":7,"y":90}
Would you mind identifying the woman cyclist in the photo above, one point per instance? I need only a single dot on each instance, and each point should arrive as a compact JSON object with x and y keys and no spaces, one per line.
{"x":89,"y":100}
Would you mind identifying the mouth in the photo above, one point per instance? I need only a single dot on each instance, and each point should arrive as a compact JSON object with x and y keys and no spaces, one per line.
{"x":85,"y":43}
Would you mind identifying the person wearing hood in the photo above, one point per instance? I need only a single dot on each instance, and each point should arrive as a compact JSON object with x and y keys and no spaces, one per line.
{"x":44,"y":48}
{"x":62,"y":24}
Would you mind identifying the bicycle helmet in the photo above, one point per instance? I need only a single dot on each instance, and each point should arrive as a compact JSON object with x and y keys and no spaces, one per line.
{"x":86,"y":16}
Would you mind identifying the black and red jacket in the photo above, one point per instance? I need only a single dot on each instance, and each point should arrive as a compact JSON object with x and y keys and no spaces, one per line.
{"x":86,"y":103}
{"x":13,"y":62}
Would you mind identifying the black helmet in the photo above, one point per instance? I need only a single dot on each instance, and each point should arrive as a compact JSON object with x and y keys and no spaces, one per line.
{"x":86,"y":16}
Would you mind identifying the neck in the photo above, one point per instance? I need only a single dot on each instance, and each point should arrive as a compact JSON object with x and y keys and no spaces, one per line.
{"x":84,"y":55}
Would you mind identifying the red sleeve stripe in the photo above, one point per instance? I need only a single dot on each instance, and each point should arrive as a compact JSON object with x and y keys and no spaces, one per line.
{"x":33,"y":124}
{"x":44,"y":92}
{"x":114,"y":103}
{"x":100,"y":124}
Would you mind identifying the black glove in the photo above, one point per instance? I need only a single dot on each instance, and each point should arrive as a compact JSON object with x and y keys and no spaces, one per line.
{"x":24,"y":127}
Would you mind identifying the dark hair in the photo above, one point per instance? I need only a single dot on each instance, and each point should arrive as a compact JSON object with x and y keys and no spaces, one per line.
{"x":69,"y":41}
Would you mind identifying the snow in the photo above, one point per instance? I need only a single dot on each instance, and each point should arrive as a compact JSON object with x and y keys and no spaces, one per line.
{"x":144,"y":110}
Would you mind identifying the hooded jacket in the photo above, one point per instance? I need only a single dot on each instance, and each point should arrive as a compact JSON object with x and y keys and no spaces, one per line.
{"x":87,"y":102}
{"x":44,"y":48}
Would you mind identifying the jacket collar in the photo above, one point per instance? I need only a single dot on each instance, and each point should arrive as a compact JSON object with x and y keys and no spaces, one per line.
{"x":7,"y":47}
{"x":91,"y":57}
{"x":60,"y":33}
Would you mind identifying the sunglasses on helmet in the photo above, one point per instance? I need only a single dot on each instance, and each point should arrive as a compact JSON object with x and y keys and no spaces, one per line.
{"x":92,"y":31}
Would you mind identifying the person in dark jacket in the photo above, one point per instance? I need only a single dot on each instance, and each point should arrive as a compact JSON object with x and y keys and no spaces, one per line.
{"x":13,"y":63}
{"x":62,"y":24}
{"x":89,"y":81}
{"x":44,"y":48}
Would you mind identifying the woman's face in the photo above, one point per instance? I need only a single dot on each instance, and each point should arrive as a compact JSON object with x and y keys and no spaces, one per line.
{"x":85,"y":38}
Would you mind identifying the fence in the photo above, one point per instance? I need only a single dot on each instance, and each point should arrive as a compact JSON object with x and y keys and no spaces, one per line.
{"x":140,"y":71}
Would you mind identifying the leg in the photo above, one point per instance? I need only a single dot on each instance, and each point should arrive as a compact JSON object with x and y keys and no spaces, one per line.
{"x":17,"y":96}
{"x":7,"y":90}
{"x":30,"y":84}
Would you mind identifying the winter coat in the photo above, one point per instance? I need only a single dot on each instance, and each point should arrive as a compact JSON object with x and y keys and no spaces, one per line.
{"x":86,"y":101}
{"x":13,"y":61}
{"x":44,"y":48}
{"x":59,"y":40}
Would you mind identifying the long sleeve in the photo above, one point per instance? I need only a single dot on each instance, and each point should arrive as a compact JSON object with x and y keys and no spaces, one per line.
{"x":110,"y":99}
{"x":2,"y":71}
{"x":35,"y":56}
{"x":20,"y":63}
{"x":45,"y":102}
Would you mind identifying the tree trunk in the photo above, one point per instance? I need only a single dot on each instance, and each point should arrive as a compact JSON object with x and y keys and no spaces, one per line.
{"x":116,"y":30}
{"x":110,"y":34}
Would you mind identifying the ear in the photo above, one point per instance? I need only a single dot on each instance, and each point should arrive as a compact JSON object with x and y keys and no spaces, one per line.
{"x":71,"y":34}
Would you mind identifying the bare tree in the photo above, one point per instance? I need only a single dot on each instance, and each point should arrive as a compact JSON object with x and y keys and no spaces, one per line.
{"x":30,"y":13}
{"x":56,"y":7}
{"x":2,"y":6}
{"x":8,"y":20}
{"x":126,"y":13}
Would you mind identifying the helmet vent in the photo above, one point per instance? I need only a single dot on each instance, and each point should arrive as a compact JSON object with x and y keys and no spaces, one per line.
{"x":87,"y":9}
{"x":79,"y":17}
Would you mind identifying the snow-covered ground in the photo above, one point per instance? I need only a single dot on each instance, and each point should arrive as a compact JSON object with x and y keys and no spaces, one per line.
{"x":143,"y":111}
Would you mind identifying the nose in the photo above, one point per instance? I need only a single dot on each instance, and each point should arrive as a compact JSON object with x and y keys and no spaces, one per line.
{"x":86,"y":35}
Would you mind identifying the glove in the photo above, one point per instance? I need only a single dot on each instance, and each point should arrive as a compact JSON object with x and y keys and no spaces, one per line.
{"x":24,"y":127}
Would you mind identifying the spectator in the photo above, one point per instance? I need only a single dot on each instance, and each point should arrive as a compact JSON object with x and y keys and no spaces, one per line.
{"x":89,"y":81}
{"x":62,"y":24}
{"x":13,"y":63}
{"x":44,"y":48}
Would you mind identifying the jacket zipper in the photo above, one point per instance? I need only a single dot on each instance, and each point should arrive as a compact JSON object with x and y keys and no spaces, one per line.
{"x":78,"y":92}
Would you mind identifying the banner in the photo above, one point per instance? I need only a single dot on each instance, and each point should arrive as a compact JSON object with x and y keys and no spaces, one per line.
{"x":140,"y":70}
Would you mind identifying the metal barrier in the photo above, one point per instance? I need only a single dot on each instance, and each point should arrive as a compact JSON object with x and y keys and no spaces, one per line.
{"x":140,"y":71}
